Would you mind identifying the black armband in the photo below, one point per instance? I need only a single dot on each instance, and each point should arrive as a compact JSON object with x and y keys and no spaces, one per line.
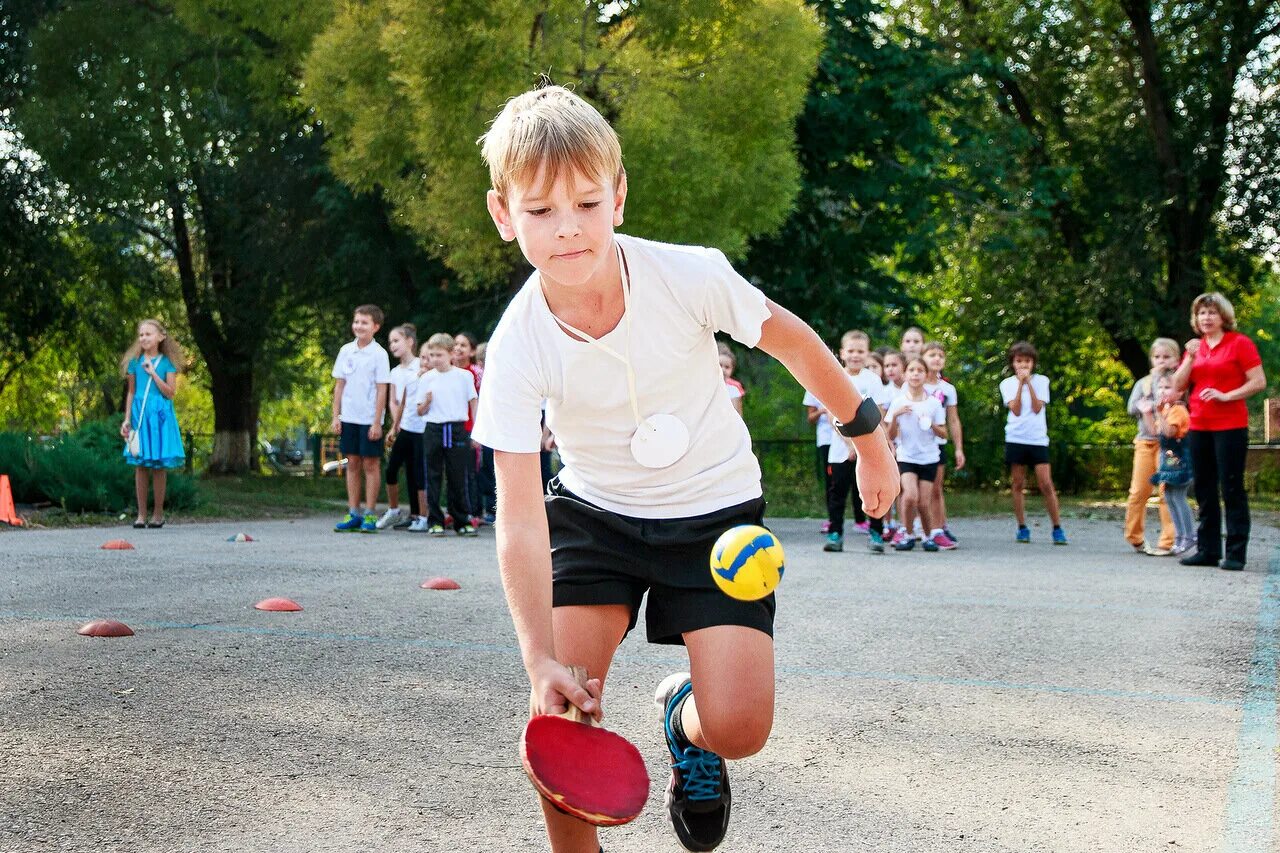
{"x":866,"y":420}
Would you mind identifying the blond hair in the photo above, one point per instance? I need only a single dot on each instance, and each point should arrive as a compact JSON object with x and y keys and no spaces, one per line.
{"x":440,"y":340}
{"x":549,"y":128}
{"x":1167,"y":344}
{"x":168,"y":348}
{"x":1218,"y":303}
{"x":855,"y":335}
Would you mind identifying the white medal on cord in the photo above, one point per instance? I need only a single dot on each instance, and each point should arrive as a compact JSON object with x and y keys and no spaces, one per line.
{"x":660,"y":439}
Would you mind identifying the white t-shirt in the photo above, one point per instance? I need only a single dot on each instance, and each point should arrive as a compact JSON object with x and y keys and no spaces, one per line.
{"x":734,"y":393}
{"x":451,"y":392}
{"x":945,"y":393}
{"x":364,"y":369}
{"x":404,"y":388}
{"x":1028,"y":427}
{"x":868,"y":385}
{"x":916,"y":443}
{"x":826,"y":433}
{"x":680,"y":297}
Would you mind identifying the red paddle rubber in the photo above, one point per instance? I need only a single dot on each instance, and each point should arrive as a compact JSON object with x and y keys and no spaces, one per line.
{"x":583,"y":770}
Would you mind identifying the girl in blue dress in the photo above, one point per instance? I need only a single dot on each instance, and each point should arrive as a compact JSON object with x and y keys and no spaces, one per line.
{"x":151,"y":368}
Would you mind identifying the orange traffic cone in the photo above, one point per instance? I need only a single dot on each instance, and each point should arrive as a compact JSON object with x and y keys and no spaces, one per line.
{"x":8,"y":514}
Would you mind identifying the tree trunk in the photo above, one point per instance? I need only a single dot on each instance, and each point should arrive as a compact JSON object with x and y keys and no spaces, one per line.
{"x":234,"y":417}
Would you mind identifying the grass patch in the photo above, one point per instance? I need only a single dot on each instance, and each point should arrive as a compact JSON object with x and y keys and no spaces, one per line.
{"x":252,"y":497}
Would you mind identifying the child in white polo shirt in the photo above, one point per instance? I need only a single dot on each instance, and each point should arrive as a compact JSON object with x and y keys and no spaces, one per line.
{"x":362,"y":371}
{"x":447,"y":401}
{"x":618,"y":335}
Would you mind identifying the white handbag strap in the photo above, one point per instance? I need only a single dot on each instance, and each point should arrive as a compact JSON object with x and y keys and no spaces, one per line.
{"x":146,"y":390}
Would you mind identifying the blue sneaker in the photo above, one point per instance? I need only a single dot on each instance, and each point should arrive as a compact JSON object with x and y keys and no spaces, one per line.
{"x":1059,"y":536}
{"x":698,"y":795}
{"x":1024,"y":535}
{"x":950,"y":535}
{"x":350,"y":522}
{"x":835,"y":542}
{"x":370,"y":523}
{"x":876,"y":543}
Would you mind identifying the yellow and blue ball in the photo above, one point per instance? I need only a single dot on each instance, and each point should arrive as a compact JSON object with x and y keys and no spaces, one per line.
{"x":747,"y":562}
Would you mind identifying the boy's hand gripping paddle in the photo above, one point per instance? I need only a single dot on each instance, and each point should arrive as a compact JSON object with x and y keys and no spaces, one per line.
{"x":584,"y":770}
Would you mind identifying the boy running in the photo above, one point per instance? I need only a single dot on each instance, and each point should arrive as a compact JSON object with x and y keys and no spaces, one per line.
{"x":618,"y":335}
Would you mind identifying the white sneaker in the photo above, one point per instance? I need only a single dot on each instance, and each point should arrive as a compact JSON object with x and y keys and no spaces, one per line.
{"x":389,"y":518}
{"x":418,"y":525}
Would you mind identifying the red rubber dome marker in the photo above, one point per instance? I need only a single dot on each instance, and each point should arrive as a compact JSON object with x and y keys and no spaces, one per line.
{"x":105,"y":628}
{"x":116,"y":545}
{"x":440,"y":583}
{"x":285,"y":605}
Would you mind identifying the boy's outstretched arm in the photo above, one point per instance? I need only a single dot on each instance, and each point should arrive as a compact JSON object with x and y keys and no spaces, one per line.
{"x":791,"y":341}
{"x":524,"y":562}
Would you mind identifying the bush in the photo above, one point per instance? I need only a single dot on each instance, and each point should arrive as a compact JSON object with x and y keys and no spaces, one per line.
{"x":82,"y":471}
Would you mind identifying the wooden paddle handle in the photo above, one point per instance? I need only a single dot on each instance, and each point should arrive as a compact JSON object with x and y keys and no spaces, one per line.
{"x":574,"y":713}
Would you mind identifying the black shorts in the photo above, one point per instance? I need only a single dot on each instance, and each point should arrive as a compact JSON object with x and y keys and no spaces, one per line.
{"x":599,"y":557}
{"x":1025,"y":454}
{"x":355,"y":441}
{"x":927,"y":472}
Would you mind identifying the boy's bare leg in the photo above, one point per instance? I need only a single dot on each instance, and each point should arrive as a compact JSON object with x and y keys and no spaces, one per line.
{"x":731,"y":710}
{"x":1017,"y":486}
{"x":355,"y":476}
{"x":372,"y":478}
{"x":1045,"y":479}
{"x":393,"y":495}
{"x":584,"y":636}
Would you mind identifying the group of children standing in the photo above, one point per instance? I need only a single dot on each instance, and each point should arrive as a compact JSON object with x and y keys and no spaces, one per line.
{"x":921,"y":417}
{"x":431,"y":397}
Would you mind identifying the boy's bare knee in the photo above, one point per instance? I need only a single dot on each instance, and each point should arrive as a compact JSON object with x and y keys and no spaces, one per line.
{"x":735,"y":736}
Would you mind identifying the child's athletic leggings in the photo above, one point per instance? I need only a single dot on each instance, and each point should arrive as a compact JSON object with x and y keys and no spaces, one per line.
{"x":445,"y":450}
{"x":407,"y":453}
{"x":1175,"y":497}
{"x":842,"y":486}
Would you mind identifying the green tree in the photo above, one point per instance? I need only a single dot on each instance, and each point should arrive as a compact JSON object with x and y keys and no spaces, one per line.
{"x":181,"y":122}
{"x":879,"y":126}
{"x":1122,"y":118}
{"x":703,"y":94}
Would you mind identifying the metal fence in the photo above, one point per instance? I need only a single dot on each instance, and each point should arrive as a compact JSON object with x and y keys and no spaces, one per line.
{"x":790,"y":467}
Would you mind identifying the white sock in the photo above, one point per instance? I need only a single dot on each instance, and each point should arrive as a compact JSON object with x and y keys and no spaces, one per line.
{"x":937,"y":531}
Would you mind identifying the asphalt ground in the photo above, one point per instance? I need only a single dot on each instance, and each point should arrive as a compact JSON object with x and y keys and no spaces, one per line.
{"x":1000,"y":697}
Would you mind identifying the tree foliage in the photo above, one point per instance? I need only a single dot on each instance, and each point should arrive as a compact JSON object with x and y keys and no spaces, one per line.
{"x":1121,"y":119}
{"x":703,"y":95}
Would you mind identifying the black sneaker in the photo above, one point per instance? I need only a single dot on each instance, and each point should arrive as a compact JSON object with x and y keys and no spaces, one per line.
{"x":698,"y":795}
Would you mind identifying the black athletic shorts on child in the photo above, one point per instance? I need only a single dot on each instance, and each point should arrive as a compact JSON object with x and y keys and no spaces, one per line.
{"x":1025,"y":454}
{"x":355,"y":441}
{"x":927,"y":472}
{"x":600,"y":557}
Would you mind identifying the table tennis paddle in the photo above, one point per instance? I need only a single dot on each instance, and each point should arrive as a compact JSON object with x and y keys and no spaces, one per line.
{"x":584,"y":770}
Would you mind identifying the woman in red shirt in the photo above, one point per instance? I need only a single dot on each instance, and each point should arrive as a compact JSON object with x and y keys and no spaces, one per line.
{"x":1223,"y":369}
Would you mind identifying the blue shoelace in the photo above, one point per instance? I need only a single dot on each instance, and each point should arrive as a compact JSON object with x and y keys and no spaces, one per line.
{"x":699,"y":773}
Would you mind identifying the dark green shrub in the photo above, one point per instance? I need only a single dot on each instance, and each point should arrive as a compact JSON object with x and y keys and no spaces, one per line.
{"x":83,"y":471}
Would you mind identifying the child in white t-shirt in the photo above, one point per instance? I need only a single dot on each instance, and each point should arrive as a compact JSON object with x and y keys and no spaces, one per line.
{"x":405,"y":437}
{"x":734,"y":388}
{"x":1026,"y":437}
{"x":618,"y":335}
{"x":854,"y":349}
{"x":823,"y":433}
{"x":447,"y":402}
{"x":362,"y":372}
{"x":935,"y":358}
{"x":916,"y":420}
